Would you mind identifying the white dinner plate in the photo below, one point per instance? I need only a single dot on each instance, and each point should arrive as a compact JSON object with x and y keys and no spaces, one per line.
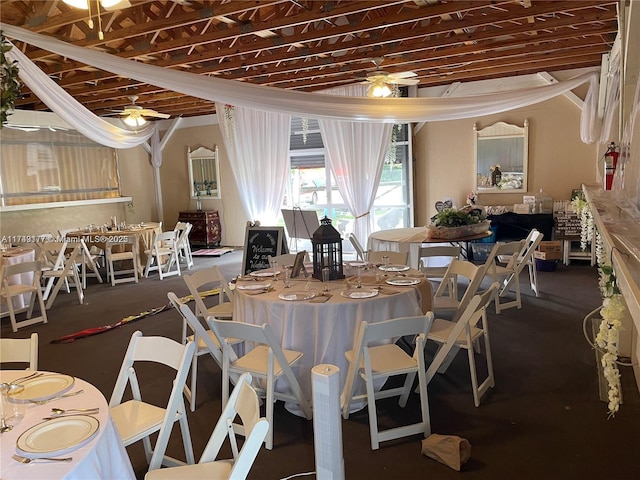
{"x":296,"y":296}
{"x":264,"y":273}
{"x":58,"y":436}
{"x":359,"y":293}
{"x":395,"y":268}
{"x":252,"y":286}
{"x":45,"y":387}
{"x":403,"y":281}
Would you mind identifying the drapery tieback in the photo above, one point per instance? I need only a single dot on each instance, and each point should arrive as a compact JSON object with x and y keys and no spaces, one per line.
{"x":363,"y":215}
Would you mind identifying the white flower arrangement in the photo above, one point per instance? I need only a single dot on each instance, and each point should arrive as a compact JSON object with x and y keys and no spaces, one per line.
{"x":612,"y":312}
{"x":581,"y":207}
{"x":228,"y":115}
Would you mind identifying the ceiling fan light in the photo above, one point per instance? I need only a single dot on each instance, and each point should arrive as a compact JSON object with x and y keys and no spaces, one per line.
{"x":134,"y":121}
{"x":83,"y":4}
{"x":380,"y":90}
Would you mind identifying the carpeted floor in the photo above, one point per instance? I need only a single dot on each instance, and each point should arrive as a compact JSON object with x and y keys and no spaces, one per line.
{"x":543,"y":419}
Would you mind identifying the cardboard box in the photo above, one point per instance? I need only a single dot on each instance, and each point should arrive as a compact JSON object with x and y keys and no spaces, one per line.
{"x":550,"y":250}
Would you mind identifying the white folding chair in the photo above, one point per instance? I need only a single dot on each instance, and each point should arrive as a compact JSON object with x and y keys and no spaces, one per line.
{"x":395,"y":258}
{"x":243,"y":403}
{"x":183,"y":230}
{"x":206,"y":343}
{"x":136,"y":419}
{"x":15,"y":283}
{"x":209,"y":279}
{"x":88,"y":259}
{"x":499,"y":272}
{"x":122,"y":249}
{"x":360,"y":253}
{"x":163,"y":255}
{"x":525,"y":259}
{"x":434,"y":260}
{"x":267,"y":361}
{"x":20,"y":350}
{"x":448,"y":295}
{"x":464,"y":333}
{"x":372,"y":361}
{"x":63,"y":267}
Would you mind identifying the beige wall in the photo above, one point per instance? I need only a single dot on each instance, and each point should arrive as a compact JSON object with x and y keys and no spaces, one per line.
{"x":558,"y":160}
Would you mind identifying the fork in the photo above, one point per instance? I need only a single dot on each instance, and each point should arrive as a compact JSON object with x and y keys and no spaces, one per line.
{"x":28,"y":377}
{"x":20,"y":459}
{"x":43,"y":402}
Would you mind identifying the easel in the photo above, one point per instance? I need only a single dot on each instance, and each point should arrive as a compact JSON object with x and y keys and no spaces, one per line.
{"x":300,"y":224}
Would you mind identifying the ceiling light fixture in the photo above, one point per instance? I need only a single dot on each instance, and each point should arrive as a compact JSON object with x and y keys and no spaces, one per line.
{"x":134,"y":121}
{"x":106,"y":4}
{"x":380,"y":90}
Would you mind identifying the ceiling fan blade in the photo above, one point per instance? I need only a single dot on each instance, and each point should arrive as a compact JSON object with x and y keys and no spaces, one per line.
{"x":153,"y":113}
{"x":403,"y":75}
{"x":406,"y":81}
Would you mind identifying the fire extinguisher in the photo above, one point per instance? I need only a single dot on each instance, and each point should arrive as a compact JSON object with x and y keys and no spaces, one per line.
{"x":610,"y":163}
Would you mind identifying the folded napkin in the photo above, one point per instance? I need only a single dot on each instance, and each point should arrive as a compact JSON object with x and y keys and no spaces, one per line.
{"x":388,"y":291}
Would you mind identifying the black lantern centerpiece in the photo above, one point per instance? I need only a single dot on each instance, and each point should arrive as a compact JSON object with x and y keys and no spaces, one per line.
{"x":327,"y":251}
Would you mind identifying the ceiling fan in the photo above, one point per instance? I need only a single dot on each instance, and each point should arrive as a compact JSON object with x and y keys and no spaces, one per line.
{"x":379,"y":81}
{"x":134,"y":114}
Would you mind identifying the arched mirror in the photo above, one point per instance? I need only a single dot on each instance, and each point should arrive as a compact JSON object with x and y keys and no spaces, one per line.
{"x":204,"y":173}
{"x":501,"y":152}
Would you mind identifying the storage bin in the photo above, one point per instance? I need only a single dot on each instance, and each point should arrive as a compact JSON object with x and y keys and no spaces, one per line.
{"x":546,"y":265}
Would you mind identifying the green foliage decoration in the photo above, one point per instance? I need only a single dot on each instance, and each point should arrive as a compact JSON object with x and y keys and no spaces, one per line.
{"x":453,"y":217}
{"x":9,"y":82}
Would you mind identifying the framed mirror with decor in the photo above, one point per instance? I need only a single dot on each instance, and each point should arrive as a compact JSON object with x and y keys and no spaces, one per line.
{"x":204,"y":173}
{"x":502,"y":155}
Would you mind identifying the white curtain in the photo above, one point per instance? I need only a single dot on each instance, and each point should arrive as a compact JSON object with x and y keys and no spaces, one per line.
{"x":355,"y":153}
{"x":72,"y":111}
{"x":390,"y":110}
{"x":257,"y":143}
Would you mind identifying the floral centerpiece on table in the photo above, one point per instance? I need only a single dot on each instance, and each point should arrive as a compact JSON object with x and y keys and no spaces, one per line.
{"x":458,"y":223}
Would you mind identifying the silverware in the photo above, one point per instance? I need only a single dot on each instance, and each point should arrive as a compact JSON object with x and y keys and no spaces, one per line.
{"x":43,"y":402}
{"x":28,"y":377}
{"x":60,"y":411}
{"x":20,"y":459}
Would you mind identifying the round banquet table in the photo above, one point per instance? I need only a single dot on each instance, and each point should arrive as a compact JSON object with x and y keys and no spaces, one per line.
{"x":324,"y":331}
{"x":103,"y":457}
{"x":11,"y":257}
{"x":410,"y":239}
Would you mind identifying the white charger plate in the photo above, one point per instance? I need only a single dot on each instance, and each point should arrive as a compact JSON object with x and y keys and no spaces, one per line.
{"x":252,"y":286}
{"x":359,"y":293}
{"x":45,"y":387}
{"x":296,"y":296}
{"x":264,"y":273}
{"x":58,"y":436}
{"x":403,"y":281}
{"x":395,"y":268}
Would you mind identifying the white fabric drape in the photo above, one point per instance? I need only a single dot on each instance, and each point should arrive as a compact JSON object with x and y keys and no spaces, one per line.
{"x":257,"y":143}
{"x":612,"y":101}
{"x":71,"y":111}
{"x":391,"y":110}
{"x":355,"y":154}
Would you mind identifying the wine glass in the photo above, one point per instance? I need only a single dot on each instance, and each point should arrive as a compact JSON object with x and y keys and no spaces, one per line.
{"x":287,"y":275}
{"x":358,"y":276}
{"x":274,"y":268}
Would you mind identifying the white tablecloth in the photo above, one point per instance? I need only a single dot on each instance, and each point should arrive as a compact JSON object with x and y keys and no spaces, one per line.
{"x":11,"y":257}
{"x":400,"y":240}
{"x":104,"y":457}
{"x":323,"y":332}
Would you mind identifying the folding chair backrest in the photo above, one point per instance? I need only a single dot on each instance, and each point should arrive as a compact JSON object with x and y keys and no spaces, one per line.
{"x":196,"y":327}
{"x":506,"y":252}
{"x":437,"y":259}
{"x":357,"y":246}
{"x":20,"y":350}
{"x":244,"y":403}
{"x":396,"y":328}
{"x":169,"y":237}
{"x":449,"y":284}
{"x":183,"y":230}
{"x":531,"y":244}
{"x":210,"y":278}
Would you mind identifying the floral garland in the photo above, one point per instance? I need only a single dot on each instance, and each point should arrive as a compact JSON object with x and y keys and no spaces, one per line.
{"x":305,"y":129}
{"x":228,"y":115}
{"x":612,"y":309}
{"x":9,"y":84}
{"x":581,"y":207}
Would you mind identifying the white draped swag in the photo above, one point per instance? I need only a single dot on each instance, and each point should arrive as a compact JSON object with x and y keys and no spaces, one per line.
{"x":355,"y":153}
{"x":257,"y":143}
{"x":389,"y":110}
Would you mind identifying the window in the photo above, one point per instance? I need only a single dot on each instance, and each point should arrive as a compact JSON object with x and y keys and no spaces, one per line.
{"x":55,"y":166}
{"x":312,"y":187}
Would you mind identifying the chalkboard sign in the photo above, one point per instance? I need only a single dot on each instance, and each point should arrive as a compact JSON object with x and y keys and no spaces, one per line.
{"x":261,"y":243}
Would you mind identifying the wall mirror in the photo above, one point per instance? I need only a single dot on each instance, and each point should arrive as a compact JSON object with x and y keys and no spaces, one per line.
{"x":204,"y":173}
{"x":502,"y":152}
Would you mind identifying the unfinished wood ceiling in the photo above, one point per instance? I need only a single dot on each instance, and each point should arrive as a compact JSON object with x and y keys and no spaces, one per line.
{"x":310,"y":45}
